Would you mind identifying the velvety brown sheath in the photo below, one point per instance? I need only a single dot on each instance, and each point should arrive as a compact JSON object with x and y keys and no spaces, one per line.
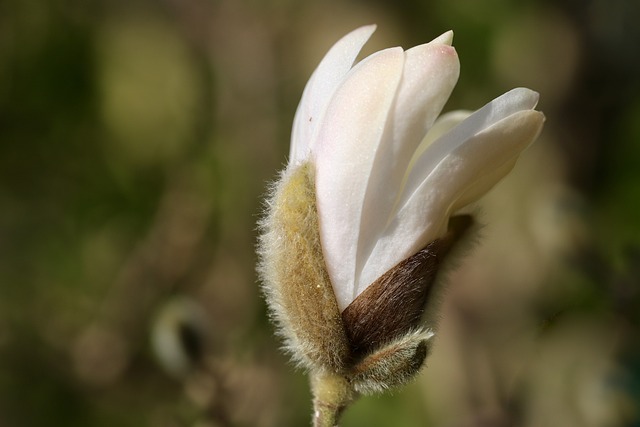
{"x":394,"y":304}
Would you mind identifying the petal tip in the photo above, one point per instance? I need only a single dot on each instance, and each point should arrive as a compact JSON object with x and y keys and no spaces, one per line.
{"x":540,"y":118}
{"x":530,"y":94}
{"x":445,"y":38}
{"x":533,"y":94}
{"x":365,"y":30}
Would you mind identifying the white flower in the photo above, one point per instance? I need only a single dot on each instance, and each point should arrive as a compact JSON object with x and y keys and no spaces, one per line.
{"x":356,"y":227}
{"x":389,"y":172}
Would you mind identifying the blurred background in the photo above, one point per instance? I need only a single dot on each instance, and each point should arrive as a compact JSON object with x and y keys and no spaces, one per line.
{"x":136,"y":141}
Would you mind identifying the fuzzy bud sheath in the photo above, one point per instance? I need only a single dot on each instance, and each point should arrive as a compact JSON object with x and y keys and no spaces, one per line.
{"x":297,"y":285}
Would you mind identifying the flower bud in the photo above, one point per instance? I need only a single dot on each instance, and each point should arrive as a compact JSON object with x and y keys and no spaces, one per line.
{"x":359,"y":223}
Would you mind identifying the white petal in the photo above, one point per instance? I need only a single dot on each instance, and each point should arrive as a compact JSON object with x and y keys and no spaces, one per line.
{"x":320,"y":88}
{"x":430,"y":74}
{"x":347,"y":141}
{"x":475,"y":165}
{"x":509,"y":103}
{"x":483,"y":184}
{"x":442,"y":125}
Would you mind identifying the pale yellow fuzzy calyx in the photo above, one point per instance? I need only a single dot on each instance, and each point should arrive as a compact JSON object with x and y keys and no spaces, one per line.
{"x":295,"y":280}
{"x":393,"y":364}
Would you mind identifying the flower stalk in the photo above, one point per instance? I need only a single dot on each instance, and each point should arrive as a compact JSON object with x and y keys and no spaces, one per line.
{"x":332,"y":394}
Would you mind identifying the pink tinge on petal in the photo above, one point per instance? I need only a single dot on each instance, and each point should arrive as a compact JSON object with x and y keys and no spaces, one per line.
{"x":444,"y":38}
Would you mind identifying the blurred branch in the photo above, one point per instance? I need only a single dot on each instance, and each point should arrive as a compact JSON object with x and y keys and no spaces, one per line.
{"x":154,"y":268}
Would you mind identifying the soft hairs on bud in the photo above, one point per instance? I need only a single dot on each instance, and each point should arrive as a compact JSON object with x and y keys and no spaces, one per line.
{"x":296,"y":282}
{"x":393,"y":364}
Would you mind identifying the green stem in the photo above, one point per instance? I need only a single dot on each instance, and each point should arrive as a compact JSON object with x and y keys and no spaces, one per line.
{"x":331,"y":396}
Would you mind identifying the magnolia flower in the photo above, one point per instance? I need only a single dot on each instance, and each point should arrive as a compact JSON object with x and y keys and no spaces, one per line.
{"x":362,"y":215}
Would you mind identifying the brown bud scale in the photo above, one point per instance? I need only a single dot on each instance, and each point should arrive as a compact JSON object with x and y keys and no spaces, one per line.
{"x":393,"y":305}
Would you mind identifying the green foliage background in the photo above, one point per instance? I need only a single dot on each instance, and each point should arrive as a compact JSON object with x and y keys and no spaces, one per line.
{"x":136,"y":141}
